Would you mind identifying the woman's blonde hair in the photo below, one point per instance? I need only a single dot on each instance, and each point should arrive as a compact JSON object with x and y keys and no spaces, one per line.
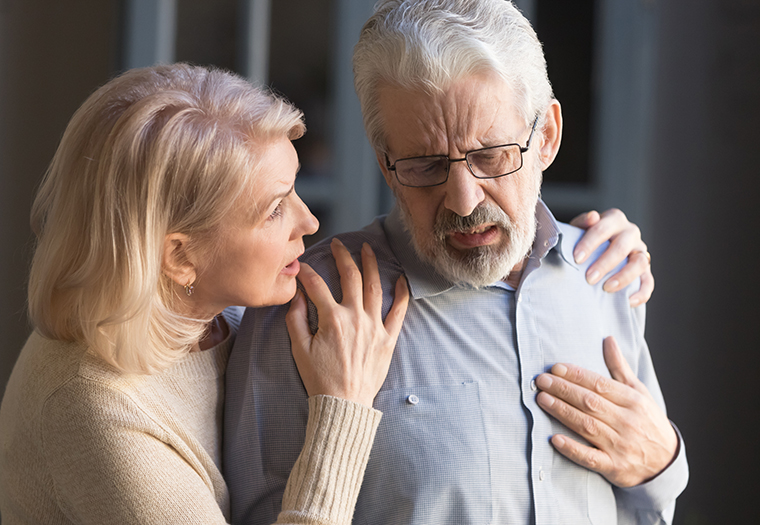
{"x":165,"y":149}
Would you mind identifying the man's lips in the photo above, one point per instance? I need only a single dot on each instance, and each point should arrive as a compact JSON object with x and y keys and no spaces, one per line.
{"x":481,"y":236}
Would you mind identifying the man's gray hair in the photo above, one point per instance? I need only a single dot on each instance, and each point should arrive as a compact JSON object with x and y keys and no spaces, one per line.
{"x":428,"y":44}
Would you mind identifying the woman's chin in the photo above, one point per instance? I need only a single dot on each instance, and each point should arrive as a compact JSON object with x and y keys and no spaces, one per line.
{"x":282,"y":295}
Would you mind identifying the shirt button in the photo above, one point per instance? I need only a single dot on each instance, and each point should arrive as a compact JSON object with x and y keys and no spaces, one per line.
{"x":533,"y":385}
{"x":541,"y":475}
{"x":412,"y":399}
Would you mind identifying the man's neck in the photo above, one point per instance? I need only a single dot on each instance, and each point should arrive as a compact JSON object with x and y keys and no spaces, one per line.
{"x":513,"y":279}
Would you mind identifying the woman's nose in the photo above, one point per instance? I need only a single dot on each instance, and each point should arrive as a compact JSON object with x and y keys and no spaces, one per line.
{"x":308,"y":223}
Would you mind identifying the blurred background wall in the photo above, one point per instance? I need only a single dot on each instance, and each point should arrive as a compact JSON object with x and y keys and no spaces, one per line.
{"x":662,"y":107}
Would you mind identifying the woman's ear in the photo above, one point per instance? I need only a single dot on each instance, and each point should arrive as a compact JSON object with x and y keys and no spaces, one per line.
{"x":551,"y":134}
{"x":176,"y":263}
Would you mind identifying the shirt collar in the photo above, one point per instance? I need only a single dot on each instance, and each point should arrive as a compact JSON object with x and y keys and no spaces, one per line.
{"x":424,"y":281}
{"x":549,"y":236}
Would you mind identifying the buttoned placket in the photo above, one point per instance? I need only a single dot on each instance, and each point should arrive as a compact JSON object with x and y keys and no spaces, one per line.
{"x":532,"y":363}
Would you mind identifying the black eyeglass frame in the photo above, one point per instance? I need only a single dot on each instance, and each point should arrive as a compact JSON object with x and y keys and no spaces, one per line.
{"x":523,"y":149}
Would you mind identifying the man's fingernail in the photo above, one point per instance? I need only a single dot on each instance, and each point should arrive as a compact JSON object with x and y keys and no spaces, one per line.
{"x":559,"y":370}
{"x":611,"y":286}
{"x":635,"y":302}
{"x":559,"y":440}
{"x":546,"y":400}
{"x":367,"y":249}
{"x":594,"y":277}
{"x":337,"y":241}
{"x":544,"y":381}
{"x":580,"y":257}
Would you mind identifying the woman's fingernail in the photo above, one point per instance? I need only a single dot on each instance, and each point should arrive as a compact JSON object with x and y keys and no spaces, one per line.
{"x":580,"y":257}
{"x":594,"y":277}
{"x":611,"y":286}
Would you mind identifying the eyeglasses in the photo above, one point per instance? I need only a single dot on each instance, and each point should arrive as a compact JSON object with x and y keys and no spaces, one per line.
{"x":483,"y":163}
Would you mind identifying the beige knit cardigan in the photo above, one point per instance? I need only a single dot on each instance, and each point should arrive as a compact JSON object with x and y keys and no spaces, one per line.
{"x":82,"y":443}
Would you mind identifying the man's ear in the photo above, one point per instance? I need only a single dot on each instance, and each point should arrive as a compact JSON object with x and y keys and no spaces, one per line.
{"x":382,"y":161}
{"x":176,"y":263}
{"x":551,"y":134}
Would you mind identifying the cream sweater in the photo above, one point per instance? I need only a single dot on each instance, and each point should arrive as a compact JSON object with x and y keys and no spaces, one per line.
{"x":82,"y":443}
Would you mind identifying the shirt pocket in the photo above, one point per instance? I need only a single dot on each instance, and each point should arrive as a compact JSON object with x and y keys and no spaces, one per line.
{"x":430,"y":463}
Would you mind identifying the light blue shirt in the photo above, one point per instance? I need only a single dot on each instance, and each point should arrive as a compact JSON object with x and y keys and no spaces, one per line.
{"x":462,"y":439}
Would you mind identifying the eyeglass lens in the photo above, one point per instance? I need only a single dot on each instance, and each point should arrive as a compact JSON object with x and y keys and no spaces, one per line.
{"x":485,"y":163}
{"x":495,"y":162}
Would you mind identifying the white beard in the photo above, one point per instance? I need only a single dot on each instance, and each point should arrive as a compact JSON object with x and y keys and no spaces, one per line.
{"x":478,"y":266}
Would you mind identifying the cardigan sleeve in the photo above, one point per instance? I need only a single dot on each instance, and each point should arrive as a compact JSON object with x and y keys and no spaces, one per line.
{"x":325,"y":481}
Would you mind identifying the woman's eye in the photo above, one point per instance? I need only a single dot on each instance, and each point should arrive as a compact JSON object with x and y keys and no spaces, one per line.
{"x":277,"y":211}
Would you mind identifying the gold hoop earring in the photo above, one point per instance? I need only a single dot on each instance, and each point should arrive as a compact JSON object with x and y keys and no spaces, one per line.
{"x":189,"y":288}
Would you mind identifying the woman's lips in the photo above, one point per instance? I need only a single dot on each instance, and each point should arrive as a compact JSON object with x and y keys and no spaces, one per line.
{"x":292,"y":269}
{"x":481,"y":236}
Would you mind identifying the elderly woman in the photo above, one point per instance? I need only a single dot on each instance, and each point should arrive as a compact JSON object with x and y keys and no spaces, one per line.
{"x":169,"y":201}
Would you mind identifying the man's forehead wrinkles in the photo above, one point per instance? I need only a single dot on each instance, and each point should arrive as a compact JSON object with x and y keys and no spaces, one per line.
{"x":469,"y":124}
{"x":457,"y":116}
{"x":469,"y":114}
{"x":445,"y":123}
{"x":429,"y":121}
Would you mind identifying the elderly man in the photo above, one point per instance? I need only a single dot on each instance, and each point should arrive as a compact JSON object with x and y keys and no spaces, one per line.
{"x":459,"y":109}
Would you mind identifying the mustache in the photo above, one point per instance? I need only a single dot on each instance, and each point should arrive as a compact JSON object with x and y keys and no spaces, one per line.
{"x":448,"y":221}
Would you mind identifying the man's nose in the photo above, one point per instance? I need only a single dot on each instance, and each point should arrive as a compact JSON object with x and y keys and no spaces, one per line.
{"x":463,"y":190}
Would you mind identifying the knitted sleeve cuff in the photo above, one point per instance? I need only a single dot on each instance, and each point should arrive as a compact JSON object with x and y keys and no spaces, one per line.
{"x":325,"y":481}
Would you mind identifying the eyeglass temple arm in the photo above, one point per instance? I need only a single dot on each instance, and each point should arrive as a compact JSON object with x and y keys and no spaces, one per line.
{"x":388,"y":163}
{"x":527,"y":145}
